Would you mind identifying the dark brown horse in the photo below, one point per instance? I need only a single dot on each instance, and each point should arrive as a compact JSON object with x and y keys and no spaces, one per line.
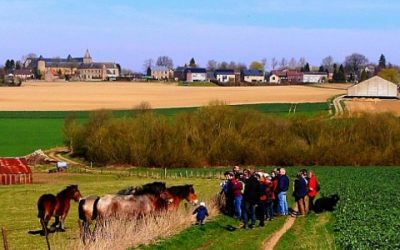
{"x":179,"y":193}
{"x":58,"y":206}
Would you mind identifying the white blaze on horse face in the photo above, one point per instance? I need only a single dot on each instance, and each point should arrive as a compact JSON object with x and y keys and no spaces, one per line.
{"x":195,"y":202}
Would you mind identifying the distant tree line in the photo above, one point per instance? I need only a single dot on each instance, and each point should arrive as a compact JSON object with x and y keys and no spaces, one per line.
{"x":221,"y":135}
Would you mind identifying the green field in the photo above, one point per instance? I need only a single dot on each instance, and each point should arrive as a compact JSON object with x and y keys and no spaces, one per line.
{"x":367,"y":214}
{"x":22,"y":133}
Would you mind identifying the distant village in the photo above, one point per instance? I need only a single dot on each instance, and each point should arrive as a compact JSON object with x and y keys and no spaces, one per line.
{"x":355,"y":68}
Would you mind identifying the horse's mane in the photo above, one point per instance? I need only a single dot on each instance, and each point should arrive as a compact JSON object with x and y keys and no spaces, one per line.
{"x":151,"y":188}
{"x":67,"y":190}
{"x":180,"y":191}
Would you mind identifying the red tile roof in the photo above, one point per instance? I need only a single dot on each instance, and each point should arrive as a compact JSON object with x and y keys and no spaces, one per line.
{"x":14,"y":166}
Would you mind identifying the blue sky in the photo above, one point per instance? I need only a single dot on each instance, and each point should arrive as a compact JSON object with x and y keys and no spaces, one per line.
{"x":130,"y":31}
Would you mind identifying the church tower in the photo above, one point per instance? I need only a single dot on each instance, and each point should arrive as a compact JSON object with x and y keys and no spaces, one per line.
{"x":87,"y":59}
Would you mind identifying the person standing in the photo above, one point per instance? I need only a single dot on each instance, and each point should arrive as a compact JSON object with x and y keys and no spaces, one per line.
{"x":201,"y":213}
{"x":300,"y":191}
{"x":270,"y":198}
{"x":283,"y":186}
{"x":312,"y":189}
{"x":262,"y":203}
{"x":226,"y":189}
{"x":237,"y":187}
{"x":250,"y":197}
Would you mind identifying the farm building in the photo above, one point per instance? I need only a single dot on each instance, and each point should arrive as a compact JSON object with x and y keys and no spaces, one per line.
{"x":15,"y":171}
{"x":374,"y":87}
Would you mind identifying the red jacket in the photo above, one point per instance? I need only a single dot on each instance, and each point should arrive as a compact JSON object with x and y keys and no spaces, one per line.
{"x":236,"y":188}
{"x":312,"y":186}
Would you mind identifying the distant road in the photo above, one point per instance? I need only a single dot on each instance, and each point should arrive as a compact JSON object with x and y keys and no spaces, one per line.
{"x":49,"y":96}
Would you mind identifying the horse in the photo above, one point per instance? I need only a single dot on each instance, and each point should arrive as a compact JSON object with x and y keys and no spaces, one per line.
{"x":88,"y":211}
{"x":179,"y":193}
{"x":58,"y":206}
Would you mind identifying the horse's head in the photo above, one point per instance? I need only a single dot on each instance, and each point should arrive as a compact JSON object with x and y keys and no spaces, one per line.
{"x":167,"y":197}
{"x":191,"y":197}
{"x":75,"y":193}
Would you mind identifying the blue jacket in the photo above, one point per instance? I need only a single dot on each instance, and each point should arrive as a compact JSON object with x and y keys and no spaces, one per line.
{"x":283,"y":183}
{"x":201,"y":212}
{"x":300,"y":187}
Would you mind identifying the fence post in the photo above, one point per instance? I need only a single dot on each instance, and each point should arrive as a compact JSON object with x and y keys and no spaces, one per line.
{"x":5,"y":242}
{"x":165,"y":173}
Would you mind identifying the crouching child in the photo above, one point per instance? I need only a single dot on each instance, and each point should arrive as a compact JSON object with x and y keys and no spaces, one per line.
{"x":201,"y":213}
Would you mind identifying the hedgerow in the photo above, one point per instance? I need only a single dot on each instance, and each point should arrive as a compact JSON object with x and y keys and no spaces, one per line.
{"x":220,"y":135}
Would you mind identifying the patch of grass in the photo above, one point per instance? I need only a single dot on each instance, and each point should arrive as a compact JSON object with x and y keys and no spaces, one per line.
{"x":215,"y":234}
{"x":198,"y":84}
{"x":311,"y":232}
{"x":19,"y":210}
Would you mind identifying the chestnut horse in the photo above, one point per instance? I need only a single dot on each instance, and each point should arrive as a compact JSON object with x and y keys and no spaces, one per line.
{"x":58,"y":206}
{"x":179,"y":193}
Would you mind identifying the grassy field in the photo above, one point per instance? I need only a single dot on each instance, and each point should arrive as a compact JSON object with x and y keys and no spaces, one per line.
{"x":19,"y":203}
{"x":322,"y":231}
{"x":23,"y":132}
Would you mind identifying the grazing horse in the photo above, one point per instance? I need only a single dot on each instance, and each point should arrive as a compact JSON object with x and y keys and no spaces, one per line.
{"x":58,"y":206}
{"x":179,"y":193}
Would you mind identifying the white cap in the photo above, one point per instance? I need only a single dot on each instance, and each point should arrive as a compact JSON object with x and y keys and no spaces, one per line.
{"x":202,"y":204}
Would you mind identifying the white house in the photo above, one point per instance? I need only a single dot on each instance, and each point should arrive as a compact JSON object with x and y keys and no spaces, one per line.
{"x":253,"y":76}
{"x":196,"y":74}
{"x":315,"y":77}
{"x":374,"y":87}
{"x":225,"y":75}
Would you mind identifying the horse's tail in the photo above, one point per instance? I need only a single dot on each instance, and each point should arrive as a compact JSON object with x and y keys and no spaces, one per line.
{"x":41,"y":208}
{"x":94,"y":214}
{"x":80,"y":209}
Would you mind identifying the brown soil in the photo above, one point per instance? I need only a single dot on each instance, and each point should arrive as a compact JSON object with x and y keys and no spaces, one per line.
{"x":271,"y":242}
{"x":373,"y":105}
{"x":125,"y":95}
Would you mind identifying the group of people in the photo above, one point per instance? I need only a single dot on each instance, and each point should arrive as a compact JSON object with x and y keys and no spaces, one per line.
{"x":251,"y":196}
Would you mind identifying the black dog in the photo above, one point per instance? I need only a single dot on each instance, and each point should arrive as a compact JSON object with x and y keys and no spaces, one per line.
{"x":326,"y":203}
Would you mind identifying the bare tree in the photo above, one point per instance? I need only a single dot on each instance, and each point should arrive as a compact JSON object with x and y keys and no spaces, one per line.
{"x":327,"y":62}
{"x":355,"y":62}
{"x":264,"y":62}
{"x":241,"y":66}
{"x":232,"y":65}
{"x":302,"y":62}
{"x":283,"y":62}
{"x":212,"y":65}
{"x":165,"y":61}
{"x":223,"y":65}
{"x":292,"y":63}
{"x":274,"y":63}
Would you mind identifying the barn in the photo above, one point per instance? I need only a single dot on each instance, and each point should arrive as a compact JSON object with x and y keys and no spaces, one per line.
{"x":15,"y":171}
{"x":375,"y":87}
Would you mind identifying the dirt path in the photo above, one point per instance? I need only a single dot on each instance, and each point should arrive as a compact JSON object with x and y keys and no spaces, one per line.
{"x":271,"y":242}
{"x":55,"y":153}
{"x":338,"y":106}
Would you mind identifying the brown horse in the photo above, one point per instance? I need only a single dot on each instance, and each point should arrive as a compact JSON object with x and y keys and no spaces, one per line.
{"x":179,"y":193}
{"x":88,"y":211}
{"x":58,"y":206}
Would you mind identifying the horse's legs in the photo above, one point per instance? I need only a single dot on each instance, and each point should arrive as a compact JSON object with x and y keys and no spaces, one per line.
{"x":86,"y":234}
{"x":44,"y":223}
{"x":53,"y":226}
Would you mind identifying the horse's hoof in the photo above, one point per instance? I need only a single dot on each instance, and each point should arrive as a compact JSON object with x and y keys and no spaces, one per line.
{"x":61,"y":230}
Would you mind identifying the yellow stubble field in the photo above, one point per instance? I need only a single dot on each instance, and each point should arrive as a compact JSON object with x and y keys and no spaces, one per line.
{"x":59,"y":96}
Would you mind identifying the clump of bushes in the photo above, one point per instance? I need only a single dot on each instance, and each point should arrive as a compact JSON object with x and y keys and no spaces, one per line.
{"x":221,"y":135}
